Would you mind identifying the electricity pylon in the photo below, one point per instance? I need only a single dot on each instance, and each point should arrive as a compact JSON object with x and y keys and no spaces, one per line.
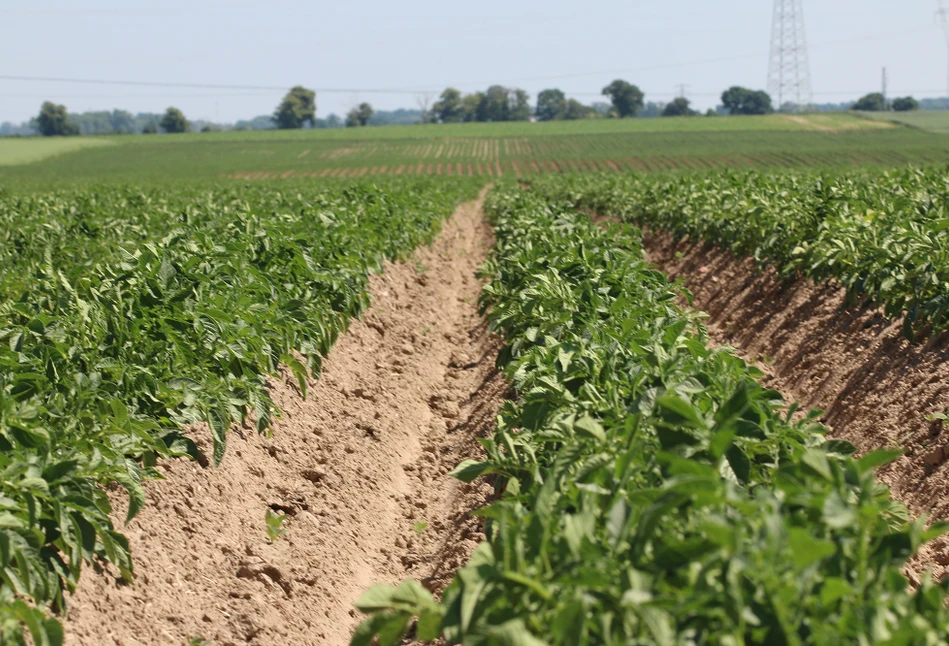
{"x":789,"y":77}
{"x":943,"y":16}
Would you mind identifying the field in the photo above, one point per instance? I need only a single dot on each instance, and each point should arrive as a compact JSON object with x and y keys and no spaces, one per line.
{"x":936,"y":121}
{"x":499,"y":150}
{"x":24,"y":151}
{"x":615,"y":382}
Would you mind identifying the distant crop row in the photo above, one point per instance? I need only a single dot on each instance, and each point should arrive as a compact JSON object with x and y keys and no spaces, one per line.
{"x":319,"y":157}
{"x":882,"y":235}
{"x":128,"y":315}
{"x":560,"y":166}
{"x":651,"y":491}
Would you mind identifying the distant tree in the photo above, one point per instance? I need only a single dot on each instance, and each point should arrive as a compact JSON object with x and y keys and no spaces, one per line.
{"x":495,"y":105}
{"x":174,"y":121}
{"x":679,"y":107}
{"x":53,"y":121}
{"x":650,"y":110}
{"x":575,"y":110}
{"x":873,"y":102}
{"x":297,"y":108}
{"x":905,"y":104}
{"x":449,"y":108}
{"x":711,"y":113}
{"x":359,"y":116}
{"x":334,"y":121}
{"x":740,"y":100}
{"x":150,"y":128}
{"x":627,"y":99}
{"x":472,"y":107}
{"x":551,"y":105}
{"x":262,"y":122}
{"x":601,"y":108}
{"x":519,"y":106}
{"x":122,"y":122}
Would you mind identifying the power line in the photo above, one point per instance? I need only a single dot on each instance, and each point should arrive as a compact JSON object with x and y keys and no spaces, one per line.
{"x":420,"y":89}
{"x":201,"y":86}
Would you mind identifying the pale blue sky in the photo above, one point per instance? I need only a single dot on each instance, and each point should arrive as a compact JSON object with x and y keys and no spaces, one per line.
{"x":427,"y":45}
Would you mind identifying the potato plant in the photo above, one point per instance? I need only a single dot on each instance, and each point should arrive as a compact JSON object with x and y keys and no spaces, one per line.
{"x":652,"y":491}
{"x":884,"y":236}
{"x":127,"y":315}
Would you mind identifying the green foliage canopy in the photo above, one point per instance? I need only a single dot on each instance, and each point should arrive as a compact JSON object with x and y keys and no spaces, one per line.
{"x":551,"y":104}
{"x":449,"y":108}
{"x":627,"y":98}
{"x":905,"y":104}
{"x":53,"y":121}
{"x":873,"y":102}
{"x":174,"y":121}
{"x":740,"y":100}
{"x":359,"y":116}
{"x":297,"y":108}
{"x":678,"y":107}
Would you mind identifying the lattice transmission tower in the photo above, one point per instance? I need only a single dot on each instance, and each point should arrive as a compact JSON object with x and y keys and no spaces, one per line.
{"x":943,"y":16}
{"x":789,"y":76}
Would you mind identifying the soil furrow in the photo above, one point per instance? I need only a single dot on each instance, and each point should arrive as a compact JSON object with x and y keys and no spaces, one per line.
{"x":877,"y":388}
{"x":360,"y":468}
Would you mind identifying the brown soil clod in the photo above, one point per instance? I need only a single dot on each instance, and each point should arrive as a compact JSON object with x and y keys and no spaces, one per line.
{"x":878,"y":389}
{"x":359,"y":469}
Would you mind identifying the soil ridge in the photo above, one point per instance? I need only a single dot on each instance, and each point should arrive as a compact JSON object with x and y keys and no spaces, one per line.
{"x":360,"y":469}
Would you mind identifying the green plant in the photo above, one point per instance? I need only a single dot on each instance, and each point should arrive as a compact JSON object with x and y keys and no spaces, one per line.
{"x":420,"y":527}
{"x":884,"y":236}
{"x":651,"y":490}
{"x":275,"y":528}
{"x":128,"y":313}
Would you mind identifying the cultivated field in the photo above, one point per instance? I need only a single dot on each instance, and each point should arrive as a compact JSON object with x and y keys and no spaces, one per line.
{"x":15,"y":151}
{"x":295,"y":388}
{"x":503,"y":149}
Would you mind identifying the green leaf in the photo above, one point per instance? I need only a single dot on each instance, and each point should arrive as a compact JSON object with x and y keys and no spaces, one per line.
{"x":675,"y":410}
{"x":469,"y":470}
{"x":586,"y":425}
{"x":806,"y":549}
{"x":876,"y":459}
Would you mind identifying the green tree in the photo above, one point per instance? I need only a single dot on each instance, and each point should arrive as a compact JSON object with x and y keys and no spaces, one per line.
{"x":574,"y":110}
{"x":741,"y":100}
{"x":359,"y":116}
{"x":551,"y":105}
{"x":472,"y":107}
{"x":679,"y":107}
{"x":297,"y":108}
{"x":53,"y":121}
{"x":873,"y":102}
{"x":905,"y":104}
{"x":519,"y":106}
{"x":122,"y":122}
{"x":627,"y":99}
{"x":449,"y":108}
{"x":174,"y":121}
{"x":150,"y":128}
{"x":494,"y":106}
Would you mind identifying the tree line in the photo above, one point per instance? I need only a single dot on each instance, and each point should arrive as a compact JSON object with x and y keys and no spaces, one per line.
{"x":297,"y":109}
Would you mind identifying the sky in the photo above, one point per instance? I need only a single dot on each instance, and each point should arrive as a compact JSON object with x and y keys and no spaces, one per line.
{"x":393,"y":54}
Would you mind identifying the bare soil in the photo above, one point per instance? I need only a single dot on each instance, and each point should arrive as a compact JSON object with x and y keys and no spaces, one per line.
{"x":360,"y":468}
{"x":876,"y":387}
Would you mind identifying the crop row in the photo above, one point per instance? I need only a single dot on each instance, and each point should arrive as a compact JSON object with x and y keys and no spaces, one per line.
{"x":569,"y":165}
{"x":884,"y":236}
{"x":651,"y":491}
{"x":129,"y":315}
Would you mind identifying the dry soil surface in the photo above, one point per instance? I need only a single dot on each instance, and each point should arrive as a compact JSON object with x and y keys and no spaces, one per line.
{"x":359,"y":468}
{"x":876,"y":387}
